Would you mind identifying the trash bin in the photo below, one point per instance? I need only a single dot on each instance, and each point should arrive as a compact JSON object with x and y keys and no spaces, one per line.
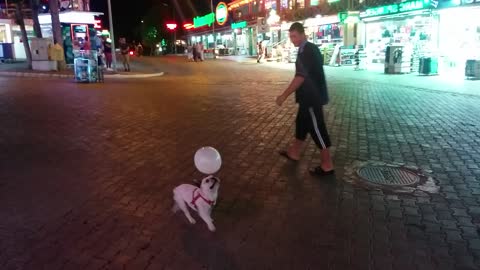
{"x":428,"y":66}
{"x":472,"y":69}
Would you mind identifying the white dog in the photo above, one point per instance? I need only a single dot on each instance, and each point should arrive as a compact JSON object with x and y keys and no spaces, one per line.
{"x":200,"y":199}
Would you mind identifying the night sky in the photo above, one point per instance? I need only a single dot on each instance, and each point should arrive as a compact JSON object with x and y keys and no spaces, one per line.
{"x":127,"y":18}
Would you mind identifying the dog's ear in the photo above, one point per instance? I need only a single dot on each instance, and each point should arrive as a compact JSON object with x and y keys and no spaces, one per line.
{"x":215,"y":180}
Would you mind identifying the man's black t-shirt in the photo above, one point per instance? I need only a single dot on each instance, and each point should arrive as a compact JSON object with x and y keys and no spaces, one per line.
{"x":309,"y":65}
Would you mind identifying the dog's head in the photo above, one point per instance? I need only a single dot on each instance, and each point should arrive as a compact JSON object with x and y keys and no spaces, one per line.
{"x":210,"y":185}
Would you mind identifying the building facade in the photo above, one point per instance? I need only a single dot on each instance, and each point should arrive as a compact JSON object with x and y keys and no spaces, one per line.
{"x":268,"y":21}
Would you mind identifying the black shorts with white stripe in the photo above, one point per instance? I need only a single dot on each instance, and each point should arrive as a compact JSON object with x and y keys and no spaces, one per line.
{"x":310,"y":121}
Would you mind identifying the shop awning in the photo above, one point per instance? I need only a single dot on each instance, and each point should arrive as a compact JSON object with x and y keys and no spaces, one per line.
{"x":71,"y":17}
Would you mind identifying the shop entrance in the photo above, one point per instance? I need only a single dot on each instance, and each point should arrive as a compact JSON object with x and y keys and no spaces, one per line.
{"x":459,"y":39}
{"x":415,"y":33}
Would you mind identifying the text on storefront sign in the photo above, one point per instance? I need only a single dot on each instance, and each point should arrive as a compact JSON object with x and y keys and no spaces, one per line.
{"x":208,"y":19}
{"x":396,"y":8}
{"x":238,"y":25}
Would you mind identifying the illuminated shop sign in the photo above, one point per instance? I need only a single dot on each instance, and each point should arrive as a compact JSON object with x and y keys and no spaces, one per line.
{"x":396,"y":8}
{"x":208,"y":19}
{"x":221,"y":13}
{"x":239,"y":25}
{"x":455,"y":3}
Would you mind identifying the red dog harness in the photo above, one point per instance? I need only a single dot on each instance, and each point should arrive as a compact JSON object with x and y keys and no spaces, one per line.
{"x":199,"y":196}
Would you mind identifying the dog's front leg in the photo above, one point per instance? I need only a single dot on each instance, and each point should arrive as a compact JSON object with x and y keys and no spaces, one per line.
{"x":205,"y":215}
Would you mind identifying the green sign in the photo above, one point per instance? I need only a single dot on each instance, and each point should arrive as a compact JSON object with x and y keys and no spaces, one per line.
{"x":396,"y":8}
{"x":342,"y":16}
{"x":208,"y":19}
{"x":238,"y":25}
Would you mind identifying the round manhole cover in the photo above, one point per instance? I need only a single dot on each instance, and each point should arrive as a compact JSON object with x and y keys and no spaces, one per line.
{"x":390,"y":176}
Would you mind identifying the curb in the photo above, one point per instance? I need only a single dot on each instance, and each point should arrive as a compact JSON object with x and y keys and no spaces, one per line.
{"x":71,"y":76}
{"x":34,"y":75}
{"x":133,"y":76}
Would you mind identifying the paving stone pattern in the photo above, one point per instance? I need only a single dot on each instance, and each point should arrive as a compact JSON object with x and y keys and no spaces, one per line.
{"x":87,"y":171}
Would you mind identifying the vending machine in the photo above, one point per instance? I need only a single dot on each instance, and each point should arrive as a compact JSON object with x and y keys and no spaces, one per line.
{"x":80,"y":35}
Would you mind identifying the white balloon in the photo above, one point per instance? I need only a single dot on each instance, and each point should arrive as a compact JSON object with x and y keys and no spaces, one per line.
{"x":208,"y":160}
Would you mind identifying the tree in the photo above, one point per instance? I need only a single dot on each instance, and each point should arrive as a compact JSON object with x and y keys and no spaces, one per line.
{"x":35,"y":4}
{"x":21,"y":23}
{"x":150,"y":38}
{"x":56,"y":25}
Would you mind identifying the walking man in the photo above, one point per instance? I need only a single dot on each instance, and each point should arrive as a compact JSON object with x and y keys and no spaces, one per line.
{"x":310,"y":89}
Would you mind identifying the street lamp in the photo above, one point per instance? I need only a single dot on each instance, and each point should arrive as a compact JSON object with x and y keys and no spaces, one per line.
{"x":112,"y":37}
{"x":213,"y":32}
{"x":173,"y":27}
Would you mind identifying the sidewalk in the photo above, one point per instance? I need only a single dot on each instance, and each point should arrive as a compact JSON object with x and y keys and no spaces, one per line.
{"x":456,"y":84}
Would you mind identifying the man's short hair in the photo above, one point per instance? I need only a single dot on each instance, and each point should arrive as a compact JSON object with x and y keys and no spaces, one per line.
{"x":297,"y":27}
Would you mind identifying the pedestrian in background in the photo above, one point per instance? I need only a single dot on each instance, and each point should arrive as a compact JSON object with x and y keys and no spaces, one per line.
{"x":190,"y":53}
{"x":194,"y":52}
{"x":124,"y":51}
{"x":107,"y":47}
{"x":139,"y":49}
{"x":310,"y":88}
{"x":199,"y":51}
{"x":202,"y":52}
{"x":260,"y":51}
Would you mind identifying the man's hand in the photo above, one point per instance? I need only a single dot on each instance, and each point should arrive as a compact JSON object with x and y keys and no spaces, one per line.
{"x":294,"y":85}
{"x":281,"y":99}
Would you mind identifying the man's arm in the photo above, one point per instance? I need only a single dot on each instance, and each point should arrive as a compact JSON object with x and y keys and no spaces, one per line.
{"x":294,"y":85}
{"x":303,"y":69}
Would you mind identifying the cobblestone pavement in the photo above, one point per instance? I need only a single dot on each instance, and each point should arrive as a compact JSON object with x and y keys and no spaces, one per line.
{"x":87,"y":171}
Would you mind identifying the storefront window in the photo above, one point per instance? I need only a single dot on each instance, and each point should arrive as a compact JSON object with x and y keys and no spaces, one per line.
{"x":412,"y":32}
{"x":459,"y":38}
{"x":271,"y":4}
{"x":284,"y":4}
{"x":241,"y":42}
{"x":329,"y":32}
{"x":3,"y":34}
{"x":300,"y":4}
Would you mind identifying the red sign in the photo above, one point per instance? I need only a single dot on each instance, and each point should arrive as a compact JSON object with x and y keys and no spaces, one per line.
{"x":188,"y":26}
{"x":98,"y":24}
{"x":172,"y":26}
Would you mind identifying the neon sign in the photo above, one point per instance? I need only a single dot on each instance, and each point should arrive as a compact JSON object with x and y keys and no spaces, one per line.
{"x":221,"y":13}
{"x":396,"y":8}
{"x":172,"y":26}
{"x":188,"y":26}
{"x":239,"y":25}
{"x":208,"y":19}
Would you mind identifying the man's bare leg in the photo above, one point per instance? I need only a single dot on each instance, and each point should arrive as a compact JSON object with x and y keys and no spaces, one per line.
{"x":326,"y":163}
{"x":295,"y":149}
